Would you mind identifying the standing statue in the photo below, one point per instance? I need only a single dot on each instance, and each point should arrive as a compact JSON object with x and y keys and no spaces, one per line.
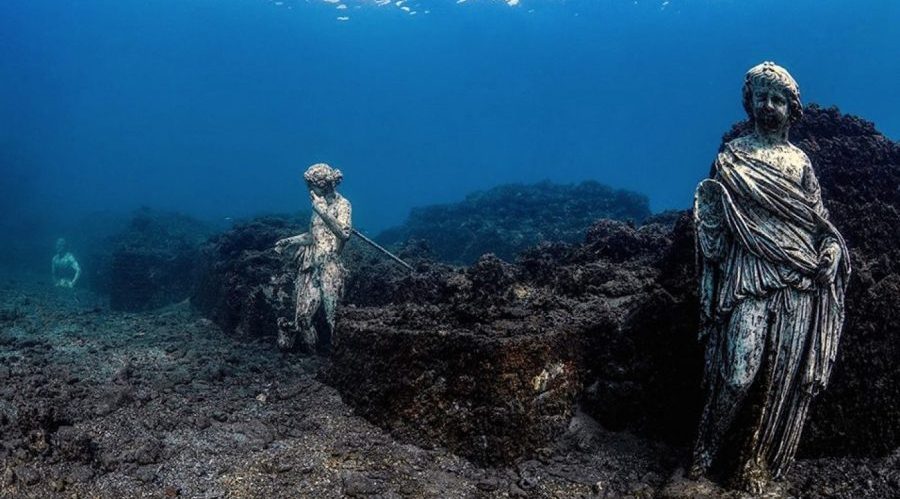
{"x":64,"y":262}
{"x":320,"y":280}
{"x":773,"y":275}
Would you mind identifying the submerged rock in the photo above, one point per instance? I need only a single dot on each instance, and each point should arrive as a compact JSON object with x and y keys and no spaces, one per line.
{"x":243,"y":282}
{"x":490,"y":397}
{"x":508,"y":219}
{"x":150,"y":262}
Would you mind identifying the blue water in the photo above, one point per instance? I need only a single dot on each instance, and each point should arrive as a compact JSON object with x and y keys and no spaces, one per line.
{"x":214,"y":108}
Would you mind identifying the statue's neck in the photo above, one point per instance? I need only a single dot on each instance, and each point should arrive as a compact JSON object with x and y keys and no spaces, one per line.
{"x":771,"y":137}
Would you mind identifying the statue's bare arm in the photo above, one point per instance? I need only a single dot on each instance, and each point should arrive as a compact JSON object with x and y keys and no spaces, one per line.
{"x":76,"y":268}
{"x":340,"y":225}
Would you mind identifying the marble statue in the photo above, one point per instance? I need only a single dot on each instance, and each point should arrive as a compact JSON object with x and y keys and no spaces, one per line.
{"x":320,"y":280}
{"x":773,"y":272}
{"x":64,"y":268}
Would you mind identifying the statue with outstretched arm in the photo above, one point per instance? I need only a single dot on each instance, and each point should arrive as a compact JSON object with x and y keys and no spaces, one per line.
{"x":320,"y":278}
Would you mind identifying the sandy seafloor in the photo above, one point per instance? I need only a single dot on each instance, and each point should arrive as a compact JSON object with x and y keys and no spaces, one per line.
{"x":95,"y":403}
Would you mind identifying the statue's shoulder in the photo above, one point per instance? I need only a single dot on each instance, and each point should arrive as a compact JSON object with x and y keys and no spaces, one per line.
{"x":746,"y":143}
{"x":801,"y":156}
{"x":342,"y":205}
{"x":743,"y":146}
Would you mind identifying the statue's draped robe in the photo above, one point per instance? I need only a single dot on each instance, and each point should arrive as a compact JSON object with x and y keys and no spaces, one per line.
{"x":767,"y":318}
{"x":320,"y":281}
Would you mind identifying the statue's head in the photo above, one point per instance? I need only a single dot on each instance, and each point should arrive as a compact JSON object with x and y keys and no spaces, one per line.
{"x":322,"y":178}
{"x":771,"y":97}
{"x":61,"y":245}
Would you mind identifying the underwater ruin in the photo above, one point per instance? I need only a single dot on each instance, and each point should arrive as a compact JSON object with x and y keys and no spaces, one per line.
{"x":544,"y":289}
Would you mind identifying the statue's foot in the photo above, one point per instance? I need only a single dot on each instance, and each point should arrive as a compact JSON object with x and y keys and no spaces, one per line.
{"x":753,"y":479}
{"x":697,"y":471}
{"x":700,"y":466}
{"x":683,"y":487}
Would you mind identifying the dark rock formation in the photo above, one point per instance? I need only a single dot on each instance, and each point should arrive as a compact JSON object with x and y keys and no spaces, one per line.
{"x":508,"y":219}
{"x":244,"y":286}
{"x":491,"y":394}
{"x":151,"y":262}
{"x":489,"y":361}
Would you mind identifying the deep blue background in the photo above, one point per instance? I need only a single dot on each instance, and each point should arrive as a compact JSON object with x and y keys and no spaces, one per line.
{"x":214,"y":108}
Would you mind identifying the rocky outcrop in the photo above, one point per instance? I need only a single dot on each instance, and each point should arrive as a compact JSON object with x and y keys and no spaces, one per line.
{"x":489,"y":394}
{"x":489,"y":361}
{"x":243,"y":282}
{"x":508,"y":219}
{"x":151,"y":262}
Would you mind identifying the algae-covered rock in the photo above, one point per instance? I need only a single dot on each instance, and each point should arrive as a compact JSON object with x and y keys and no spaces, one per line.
{"x":487,"y":394}
{"x":244,"y":285}
{"x":149,"y":263}
{"x":508,"y":219}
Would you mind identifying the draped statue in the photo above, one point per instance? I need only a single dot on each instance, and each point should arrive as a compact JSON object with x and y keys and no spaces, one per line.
{"x":773,"y":272}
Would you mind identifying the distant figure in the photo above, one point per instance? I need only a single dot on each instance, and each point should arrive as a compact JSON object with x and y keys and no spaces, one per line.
{"x":64,"y":263}
{"x":320,"y":280}
{"x":773,"y":275}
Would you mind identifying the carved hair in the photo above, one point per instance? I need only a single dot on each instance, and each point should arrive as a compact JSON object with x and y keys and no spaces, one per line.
{"x":323,"y":176}
{"x":769,"y":73}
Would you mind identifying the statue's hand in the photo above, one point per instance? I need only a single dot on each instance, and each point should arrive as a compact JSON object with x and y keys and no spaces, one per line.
{"x":283,"y":244}
{"x":302,"y":240}
{"x":829,"y":259}
{"x":318,"y":201}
